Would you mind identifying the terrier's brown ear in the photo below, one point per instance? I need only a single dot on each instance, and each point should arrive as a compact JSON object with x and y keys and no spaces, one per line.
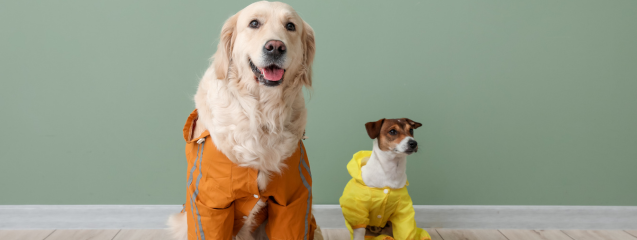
{"x":413,"y":124}
{"x":373,"y":128}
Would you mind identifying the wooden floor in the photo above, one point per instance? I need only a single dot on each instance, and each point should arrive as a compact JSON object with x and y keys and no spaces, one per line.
{"x":330,"y":234}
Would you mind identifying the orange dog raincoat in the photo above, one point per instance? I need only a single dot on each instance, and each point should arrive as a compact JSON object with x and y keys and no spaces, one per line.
{"x":221,"y":194}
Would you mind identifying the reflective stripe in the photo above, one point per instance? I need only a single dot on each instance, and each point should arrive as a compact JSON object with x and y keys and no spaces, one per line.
{"x":197,"y":193}
{"x":307,"y":168}
{"x":193,"y":197}
{"x":199,"y":220}
{"x":192,"y":169}
{"x":192,"y":212}
{"x":309,"y":189}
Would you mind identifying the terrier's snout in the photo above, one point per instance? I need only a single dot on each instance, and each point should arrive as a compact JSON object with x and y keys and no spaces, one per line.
{"x":274,"y":49}
{"x":412,"y":144}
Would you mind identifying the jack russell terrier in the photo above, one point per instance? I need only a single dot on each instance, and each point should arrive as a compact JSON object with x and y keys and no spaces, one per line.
{"x":375,"y":202}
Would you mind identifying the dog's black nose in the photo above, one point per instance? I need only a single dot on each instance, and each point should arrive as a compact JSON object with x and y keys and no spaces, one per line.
{"x":412,"y":144}
{"x":274,"y":48}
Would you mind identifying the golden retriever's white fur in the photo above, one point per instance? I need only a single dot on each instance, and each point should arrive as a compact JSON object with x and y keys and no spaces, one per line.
{"x":256,"y":126}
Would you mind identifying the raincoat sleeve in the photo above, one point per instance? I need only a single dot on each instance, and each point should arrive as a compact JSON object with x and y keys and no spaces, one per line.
{"x":404,"y":224}
{"x":354,"y":206}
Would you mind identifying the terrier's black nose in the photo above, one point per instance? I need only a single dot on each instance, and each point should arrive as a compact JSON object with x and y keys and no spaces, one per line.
{"x":274,"y":48}
{"x":412,"y":144}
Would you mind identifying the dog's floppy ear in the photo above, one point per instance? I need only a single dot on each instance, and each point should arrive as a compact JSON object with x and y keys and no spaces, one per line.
{"x":223,"y":55}
{"x":373,"y":128}
{"x":308,"y":54}
{"x":413,"y":124}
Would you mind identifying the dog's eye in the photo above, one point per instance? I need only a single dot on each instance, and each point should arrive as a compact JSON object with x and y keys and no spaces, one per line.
{"x":411,"y":131}
{"x":254,"y":24}
{"x":392,"y":132}
{"x":290,"y":27}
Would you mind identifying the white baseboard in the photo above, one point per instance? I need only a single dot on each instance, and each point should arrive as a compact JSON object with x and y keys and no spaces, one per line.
{"x":329,"y":216}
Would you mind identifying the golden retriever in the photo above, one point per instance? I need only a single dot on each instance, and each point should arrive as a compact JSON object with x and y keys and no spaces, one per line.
{"x":250,"y":99}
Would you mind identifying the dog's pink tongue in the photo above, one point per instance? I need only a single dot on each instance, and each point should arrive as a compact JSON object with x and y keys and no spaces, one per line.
{"x":272,"y":74}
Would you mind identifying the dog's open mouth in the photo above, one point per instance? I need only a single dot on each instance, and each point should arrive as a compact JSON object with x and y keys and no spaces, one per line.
{"x":270,"y":76}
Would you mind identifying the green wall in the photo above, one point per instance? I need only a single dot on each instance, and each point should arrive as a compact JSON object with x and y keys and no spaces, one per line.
{"x":523,"y":103}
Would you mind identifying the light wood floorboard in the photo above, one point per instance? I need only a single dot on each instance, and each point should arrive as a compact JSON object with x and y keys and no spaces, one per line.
{"x":632,"y":232}
{"x":470,"y":234}
{"x":83,"y":234}
{"x":434,"y":234}
{"x":524,"y":234}
{"x":24,"y":234}
{"x":143,"y":234}
{"x":599,"y":235}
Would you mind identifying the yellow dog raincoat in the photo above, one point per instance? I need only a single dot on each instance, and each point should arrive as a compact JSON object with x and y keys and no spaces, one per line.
{"x":221,"y":194}
{"x":366,"y":206}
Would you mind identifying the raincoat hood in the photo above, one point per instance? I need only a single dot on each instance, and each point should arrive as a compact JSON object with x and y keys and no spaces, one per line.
{"x":358,"y":161}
